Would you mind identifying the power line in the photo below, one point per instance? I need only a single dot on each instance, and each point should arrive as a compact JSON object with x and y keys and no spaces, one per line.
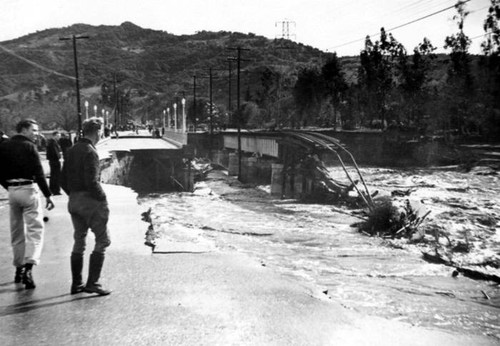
{"x":8,"y":51}
{"x":399,"y":26}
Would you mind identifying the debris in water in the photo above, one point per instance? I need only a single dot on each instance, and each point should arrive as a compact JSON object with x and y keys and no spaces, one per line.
{"x":150,"y":233}
{"x":394,"y":218}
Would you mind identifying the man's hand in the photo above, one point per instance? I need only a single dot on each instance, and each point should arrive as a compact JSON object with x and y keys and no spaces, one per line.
{"x":50,"y":204}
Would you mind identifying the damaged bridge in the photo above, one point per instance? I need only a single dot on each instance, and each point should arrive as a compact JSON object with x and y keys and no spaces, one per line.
{"x":299,"y":164}
{"x":145,"y":164}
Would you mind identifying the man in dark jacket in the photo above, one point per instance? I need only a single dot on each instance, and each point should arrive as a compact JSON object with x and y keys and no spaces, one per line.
{"x":65,"y":143}
{"x":88,"y":207}
{"x":54,"y":157}
{"x":21,"y":168}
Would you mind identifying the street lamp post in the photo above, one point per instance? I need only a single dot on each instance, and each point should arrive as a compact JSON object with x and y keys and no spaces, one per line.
{"x":169,"y":122}
{"x":175,"y":116}
{"x":95,"y":111}
{"x":164,"y":112}
{"x":103,"y":112}
{"x":86,"y":109}
{"x":183,"y":101}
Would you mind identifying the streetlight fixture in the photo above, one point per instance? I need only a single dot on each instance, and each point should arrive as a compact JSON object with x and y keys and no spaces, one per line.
{"x":95,"y":111}
{"x":183,"y":101}
{"x":169,"y":122}
{"x":86,"y":109}
{"x":175,"y":116}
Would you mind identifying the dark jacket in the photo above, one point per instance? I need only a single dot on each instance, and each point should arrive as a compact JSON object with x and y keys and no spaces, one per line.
{"x":81,"y":170}
{"x":20,"y":159}
{"x":53,"y":150}
{"x":65,"y":143}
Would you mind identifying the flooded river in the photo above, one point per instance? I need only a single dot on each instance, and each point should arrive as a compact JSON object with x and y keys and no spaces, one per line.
{"x":316,"y":244}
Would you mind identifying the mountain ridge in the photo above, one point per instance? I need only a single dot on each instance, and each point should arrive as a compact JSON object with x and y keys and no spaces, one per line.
{"x":145,"y":55}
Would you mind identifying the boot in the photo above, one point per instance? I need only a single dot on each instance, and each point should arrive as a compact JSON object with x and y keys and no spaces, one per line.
{"x":76,"y":272}
{"x":95,"y":267}
{"x":28,"y":277}
{"x":19,"y":275}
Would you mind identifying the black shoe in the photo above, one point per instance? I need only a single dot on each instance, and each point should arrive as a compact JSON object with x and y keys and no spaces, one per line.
{"x":96,"y":288}
{"x":95,"y":267}
{"x":28,"y":280}
{"x":77,"y":289}
{"x":19,"y":275}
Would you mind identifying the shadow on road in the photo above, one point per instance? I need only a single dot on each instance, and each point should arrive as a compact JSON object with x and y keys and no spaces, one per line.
{"x":40,"y":303}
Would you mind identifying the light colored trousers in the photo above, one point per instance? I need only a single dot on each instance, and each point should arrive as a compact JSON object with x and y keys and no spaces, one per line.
{"x":26,"y":224}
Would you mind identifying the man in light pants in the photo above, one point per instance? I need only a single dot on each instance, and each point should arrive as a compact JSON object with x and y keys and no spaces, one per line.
{"x":21,"y":168}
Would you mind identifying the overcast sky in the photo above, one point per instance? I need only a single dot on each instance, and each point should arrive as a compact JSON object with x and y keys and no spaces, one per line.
{"x":324,"y":24}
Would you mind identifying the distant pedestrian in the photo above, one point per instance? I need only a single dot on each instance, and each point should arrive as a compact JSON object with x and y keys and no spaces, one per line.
{"x":21,"y":168}
{"x":54,"y":157}
{"x":88,"y":207}
{"x":65,"y":143}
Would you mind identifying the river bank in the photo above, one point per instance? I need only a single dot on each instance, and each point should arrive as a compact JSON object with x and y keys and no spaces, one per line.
{"x":181,"y":296}
{"x":314,"y":244}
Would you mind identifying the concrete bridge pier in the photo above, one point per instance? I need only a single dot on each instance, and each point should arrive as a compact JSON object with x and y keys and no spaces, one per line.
{"x":188,"y":179}
{"x":298,"y":185}
{"x":249,"y":169}
{"x":232,"y":168}
{"x":277,"y":179}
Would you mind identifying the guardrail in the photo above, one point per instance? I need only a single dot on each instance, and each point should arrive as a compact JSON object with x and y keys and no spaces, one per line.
{"x":256,"y":143}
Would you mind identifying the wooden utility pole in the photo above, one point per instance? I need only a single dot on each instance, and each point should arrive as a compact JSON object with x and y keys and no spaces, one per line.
{"x":73,"y":38}
{"x":211,"y":106}
{"x":230,"y":103}
{"x":194,"y":102}
{"x":116,"y":101}
{"x":238,"y":105}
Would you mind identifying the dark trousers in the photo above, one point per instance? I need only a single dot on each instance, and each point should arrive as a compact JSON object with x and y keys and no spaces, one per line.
{"x":88,"y":213}
{"x":55,"y":176}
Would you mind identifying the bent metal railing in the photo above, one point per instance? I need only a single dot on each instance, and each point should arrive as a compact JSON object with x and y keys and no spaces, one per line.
{"x":335,"y":146}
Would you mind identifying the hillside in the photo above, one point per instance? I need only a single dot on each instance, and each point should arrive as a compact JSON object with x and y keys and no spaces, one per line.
{"x":136,"y":74}
{"x":145,"y":60}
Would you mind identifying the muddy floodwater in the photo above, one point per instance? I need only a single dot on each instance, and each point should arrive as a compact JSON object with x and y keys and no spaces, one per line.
{"x":316,"y":244}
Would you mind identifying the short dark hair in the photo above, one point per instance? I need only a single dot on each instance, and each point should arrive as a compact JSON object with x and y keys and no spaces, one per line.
{"x":25,"y":124}
{"x":91,"y":125}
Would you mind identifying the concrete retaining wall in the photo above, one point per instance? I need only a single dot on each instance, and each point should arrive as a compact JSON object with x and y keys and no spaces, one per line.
{"x":147,"y":171}
{"x":116,"y":168}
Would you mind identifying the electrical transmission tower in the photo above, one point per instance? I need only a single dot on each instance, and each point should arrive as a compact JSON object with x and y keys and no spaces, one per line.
{"x":285,"y":29}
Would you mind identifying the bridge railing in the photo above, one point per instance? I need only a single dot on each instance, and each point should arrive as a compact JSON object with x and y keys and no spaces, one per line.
{"x":262,"y":144}
{"x":180,"y":137}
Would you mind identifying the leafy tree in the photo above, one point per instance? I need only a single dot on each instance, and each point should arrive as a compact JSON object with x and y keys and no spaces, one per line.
{"x":490,"y":64}
{"x":377,"y":73}
{"x":492,"y":27}
{"x":251,"y":115}
{"x":458,"y":93}
{"x":268,"y":93}
{"x":459,"y":44}
{"x":276,"y":83}
{"x":199,"y":110}
{"x":335,"y":86}
{"x":307,"y":93}
{"x":414,"y":72}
